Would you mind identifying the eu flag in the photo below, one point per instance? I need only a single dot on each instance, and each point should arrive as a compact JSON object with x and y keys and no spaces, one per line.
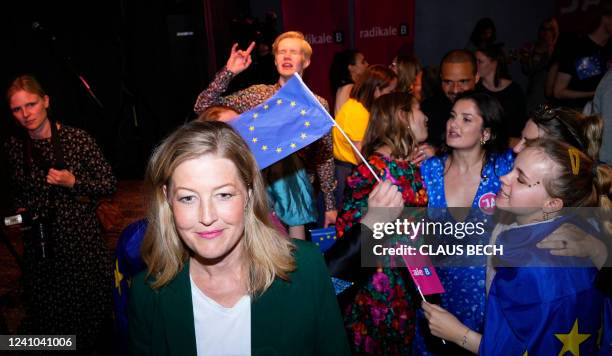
{"x":287,"y":122}
{"x":127,"y":264}
{"x":324,"y":238}
{"x":549,"y":306}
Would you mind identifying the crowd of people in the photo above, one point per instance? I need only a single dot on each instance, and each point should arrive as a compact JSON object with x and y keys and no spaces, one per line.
{"x":223,"y":266}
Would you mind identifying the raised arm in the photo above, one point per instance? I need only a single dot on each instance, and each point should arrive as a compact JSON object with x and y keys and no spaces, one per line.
{"x":237,"y":62}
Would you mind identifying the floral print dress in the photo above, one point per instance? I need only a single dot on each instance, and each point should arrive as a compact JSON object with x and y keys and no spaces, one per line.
{"x":68,"y":292}
{"x":380,"y":319}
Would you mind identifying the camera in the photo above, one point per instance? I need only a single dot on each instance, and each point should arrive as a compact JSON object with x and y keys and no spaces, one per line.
{"x":36,"y":230}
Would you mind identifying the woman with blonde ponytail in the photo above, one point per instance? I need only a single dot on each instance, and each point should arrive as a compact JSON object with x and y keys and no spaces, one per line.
{"x":535,"y":295}
{"x":220,"y":279}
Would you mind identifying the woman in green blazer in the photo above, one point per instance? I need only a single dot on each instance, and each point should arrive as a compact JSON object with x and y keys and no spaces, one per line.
{"x":220,"y":280}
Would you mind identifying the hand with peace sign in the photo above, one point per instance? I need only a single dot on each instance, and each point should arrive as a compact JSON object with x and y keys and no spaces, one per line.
{"x":239,"y":60}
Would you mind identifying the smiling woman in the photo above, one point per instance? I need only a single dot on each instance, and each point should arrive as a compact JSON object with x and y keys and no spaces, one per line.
{"x":214,"y":258}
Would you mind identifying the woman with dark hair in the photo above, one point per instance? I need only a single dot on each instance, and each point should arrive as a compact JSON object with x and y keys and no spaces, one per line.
{"x":58,"y":173}
{"x":496,"y":81}
{"x":354,"y":117}
{"x":347,"y":66}
{"x":483,"y":34}
{"x":466,"y":175}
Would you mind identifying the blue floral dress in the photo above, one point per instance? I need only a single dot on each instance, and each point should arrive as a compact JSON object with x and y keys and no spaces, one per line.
{"x":465,"y":292}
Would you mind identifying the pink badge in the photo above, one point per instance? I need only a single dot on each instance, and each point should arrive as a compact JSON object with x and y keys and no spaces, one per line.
{"x":486,"y":203}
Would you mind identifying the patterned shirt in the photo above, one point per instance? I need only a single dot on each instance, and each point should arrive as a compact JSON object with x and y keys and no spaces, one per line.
{"x":321,"y":151}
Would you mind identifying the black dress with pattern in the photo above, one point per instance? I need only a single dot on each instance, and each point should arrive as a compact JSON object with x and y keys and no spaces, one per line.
{"x":68,"y":292}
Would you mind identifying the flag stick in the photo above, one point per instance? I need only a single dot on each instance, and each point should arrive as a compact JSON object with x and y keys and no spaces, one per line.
{"x":423,"y":297}
{"x":341,"y":131}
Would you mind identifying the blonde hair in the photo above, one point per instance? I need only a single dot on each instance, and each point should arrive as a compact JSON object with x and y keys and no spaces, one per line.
{"x":266,"y":253}
{"x":26,"y":83}
{"x":579,"y":181}
{"x":306,"y":49}
{"x":571,"y":126}
{"x":388,"y":128}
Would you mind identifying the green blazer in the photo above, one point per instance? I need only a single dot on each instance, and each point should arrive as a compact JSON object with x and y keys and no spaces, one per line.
{"x":300,"y":317}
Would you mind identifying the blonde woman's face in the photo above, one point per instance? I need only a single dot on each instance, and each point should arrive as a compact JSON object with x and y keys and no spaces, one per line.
{"x":29,"y":109}
{"x":522,"y":192}
{"x":208,"y":201}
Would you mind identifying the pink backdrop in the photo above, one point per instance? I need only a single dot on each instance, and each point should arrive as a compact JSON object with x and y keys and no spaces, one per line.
{"x":382,"y":28}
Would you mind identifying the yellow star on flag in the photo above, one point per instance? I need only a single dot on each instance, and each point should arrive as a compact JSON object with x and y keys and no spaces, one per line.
{"x":251,"y":128}
{"x":264,"y":147}
{"x":572,"y":340}
{"x":254,"y":140}
{"x":279,"y":150}
{"x":118,"y":276}
{"x":266,"y":107}
{"x":293,"y":103}
{"x":255,"y":115}
{"x":307,"y":124}
{"x":303,"y":112}
{"x":292,"y":145}
{"x":303,"y":136}
{"x":279,"y":101}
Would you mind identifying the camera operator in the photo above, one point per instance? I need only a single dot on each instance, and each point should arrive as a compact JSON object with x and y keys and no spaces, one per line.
{"x":58,"y":173}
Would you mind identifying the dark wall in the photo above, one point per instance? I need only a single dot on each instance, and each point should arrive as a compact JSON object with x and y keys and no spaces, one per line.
{"x":146,"y":61}
{"x":441,"y":25}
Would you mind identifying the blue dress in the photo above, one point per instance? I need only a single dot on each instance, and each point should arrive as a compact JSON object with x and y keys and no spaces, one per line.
{"x":465,"y":286}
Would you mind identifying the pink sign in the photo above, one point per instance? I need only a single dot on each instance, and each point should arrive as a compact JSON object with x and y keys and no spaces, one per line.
{"x":423,"y":273}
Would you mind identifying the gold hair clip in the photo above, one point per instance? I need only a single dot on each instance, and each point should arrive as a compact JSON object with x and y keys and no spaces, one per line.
{"x":574,"y":156}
